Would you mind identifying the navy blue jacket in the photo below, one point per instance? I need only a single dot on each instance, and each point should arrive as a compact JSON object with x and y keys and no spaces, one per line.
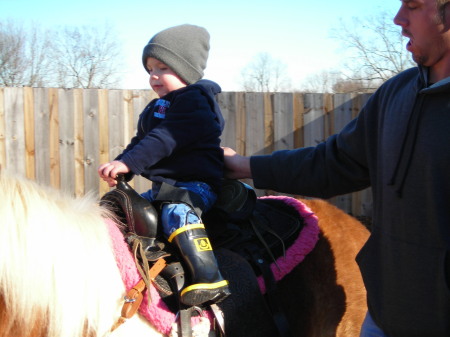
{"x":178,"y":137}
{"x":400,"y":146}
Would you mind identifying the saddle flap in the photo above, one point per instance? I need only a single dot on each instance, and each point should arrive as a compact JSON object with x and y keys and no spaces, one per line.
{"x":272,"y":227}
{"x":279,"y":223}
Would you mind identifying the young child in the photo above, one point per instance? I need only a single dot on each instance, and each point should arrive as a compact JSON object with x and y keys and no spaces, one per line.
{"x":178,"y":142}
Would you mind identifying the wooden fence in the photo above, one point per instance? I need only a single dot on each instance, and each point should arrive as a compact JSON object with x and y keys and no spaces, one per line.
{"x":60,"y":136}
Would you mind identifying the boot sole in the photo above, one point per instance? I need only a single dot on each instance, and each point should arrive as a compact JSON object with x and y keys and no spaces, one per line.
{"x":197,"y":294}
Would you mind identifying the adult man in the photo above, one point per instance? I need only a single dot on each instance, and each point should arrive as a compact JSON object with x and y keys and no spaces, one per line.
{"x":400,"y":146}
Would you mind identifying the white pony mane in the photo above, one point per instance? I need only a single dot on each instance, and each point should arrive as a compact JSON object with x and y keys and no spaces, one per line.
{"x":57,"y":268}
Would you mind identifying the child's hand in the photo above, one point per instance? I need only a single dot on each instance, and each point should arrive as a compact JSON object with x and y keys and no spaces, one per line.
{"x":109,"y":171}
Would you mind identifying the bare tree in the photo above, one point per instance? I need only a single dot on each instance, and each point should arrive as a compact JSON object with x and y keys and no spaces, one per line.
{"x":330,"y":81}
{"x":349,"y":86}
{"x":11,"y":53}
{"x":87,"y":57}
{"x":264,"y":73}
{"x":23,"y":55}
{"x":377,"y":48}
{"x":39,"y":63}
{"x":321,"y":82}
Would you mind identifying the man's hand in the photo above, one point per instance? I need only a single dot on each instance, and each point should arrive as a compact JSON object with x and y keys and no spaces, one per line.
{"x":236,"y":166}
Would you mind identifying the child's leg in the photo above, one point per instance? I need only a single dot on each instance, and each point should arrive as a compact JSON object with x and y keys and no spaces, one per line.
{"x":183,"y":227}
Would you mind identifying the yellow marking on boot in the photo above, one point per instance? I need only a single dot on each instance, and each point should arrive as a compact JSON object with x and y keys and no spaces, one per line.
{"x":204,"y":286}
{"x":202,"y":244}
{"x":184,"y":229}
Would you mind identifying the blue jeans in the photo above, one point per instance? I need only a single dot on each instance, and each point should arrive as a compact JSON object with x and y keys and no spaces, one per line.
{"x":177,"y":215}
{"x":370,"y":329}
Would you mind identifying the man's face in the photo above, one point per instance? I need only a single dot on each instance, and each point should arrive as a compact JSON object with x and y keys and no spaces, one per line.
{"x":429,"y":37}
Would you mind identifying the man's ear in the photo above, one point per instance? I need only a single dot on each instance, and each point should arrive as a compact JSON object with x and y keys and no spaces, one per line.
{"x":445,"y":12}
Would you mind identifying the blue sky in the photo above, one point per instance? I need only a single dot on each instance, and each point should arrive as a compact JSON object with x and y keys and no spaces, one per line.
{"x":297,"y":32}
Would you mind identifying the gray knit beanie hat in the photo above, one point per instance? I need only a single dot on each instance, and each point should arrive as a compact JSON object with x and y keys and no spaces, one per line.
{"x":183,"y":48}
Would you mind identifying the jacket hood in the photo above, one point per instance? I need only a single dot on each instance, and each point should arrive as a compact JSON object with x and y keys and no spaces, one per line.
{"x":404,"y":159}
{"x":211,"y":89}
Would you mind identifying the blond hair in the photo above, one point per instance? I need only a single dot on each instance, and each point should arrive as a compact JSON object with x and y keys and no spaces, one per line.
{"x":58,"y":273}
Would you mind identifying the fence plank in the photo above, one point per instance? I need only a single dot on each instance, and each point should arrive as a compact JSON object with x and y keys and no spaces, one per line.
{"x":254,"y":123}
{"x":283,"y":121}
{"x":298,"y":106}
{"x":269,"y":134}
{"x":117,"y":121}
{"x":28,"y":109}
{"x":103,"y":136}
{"x":67,"y":139}
{"x":91,"y":139}
{"x":78,"y":111}
{"x":14,"y":130}
{"x":343,"y":112}
{"x":314,"y":119}
{"x":328,"y":110}
{"x":240,"y":127}
{"x":55,"y":168}
{"x":228,"y":106}
{"x":42,"y":140}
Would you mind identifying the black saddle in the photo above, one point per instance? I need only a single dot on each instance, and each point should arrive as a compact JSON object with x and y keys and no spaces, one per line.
{"x":248,"y":234}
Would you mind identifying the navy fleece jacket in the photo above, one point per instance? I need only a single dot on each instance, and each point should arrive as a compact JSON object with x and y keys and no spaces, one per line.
{"x":178,"y":137}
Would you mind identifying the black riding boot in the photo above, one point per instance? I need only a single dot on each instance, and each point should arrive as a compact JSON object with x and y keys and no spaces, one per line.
{"x":207,"y":282}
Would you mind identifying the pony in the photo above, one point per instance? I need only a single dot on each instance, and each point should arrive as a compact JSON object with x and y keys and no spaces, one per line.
{"x":59,"y":276}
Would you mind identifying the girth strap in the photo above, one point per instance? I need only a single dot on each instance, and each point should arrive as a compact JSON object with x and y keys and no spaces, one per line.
{"x":174,"y":273}
{"x":272,"y":297}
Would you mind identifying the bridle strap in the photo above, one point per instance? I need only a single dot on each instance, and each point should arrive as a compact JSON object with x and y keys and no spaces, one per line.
{"x":134,"y":297}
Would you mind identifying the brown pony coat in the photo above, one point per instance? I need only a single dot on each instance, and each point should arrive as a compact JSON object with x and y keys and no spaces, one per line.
{"x":325,"y":296}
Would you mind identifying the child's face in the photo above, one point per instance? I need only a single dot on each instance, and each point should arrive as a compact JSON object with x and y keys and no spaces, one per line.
{"x":162,"y":79}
